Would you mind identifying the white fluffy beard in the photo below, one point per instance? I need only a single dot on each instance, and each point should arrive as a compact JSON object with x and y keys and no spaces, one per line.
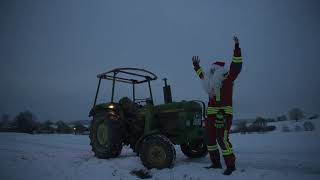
{"x":213,"y":80}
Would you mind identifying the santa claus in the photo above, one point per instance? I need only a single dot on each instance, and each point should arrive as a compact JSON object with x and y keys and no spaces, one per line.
{"x":218,"y":83}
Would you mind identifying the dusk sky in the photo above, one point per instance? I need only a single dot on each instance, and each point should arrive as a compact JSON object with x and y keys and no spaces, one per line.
{"x":51,"y":52}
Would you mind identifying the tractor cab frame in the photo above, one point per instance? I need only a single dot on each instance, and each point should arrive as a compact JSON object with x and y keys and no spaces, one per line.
{"x":133,"y":76}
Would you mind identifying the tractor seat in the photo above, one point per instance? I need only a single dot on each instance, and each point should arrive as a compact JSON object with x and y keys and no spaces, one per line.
{"x":128,"y":106}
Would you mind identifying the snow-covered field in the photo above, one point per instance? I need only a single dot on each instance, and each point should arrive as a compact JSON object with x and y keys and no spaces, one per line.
{"x":277,"y":155}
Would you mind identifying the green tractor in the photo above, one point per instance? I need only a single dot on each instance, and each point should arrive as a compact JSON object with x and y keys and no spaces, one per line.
{"x":150,"y":130}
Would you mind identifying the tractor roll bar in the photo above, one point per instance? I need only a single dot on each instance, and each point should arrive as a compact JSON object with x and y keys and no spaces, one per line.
{"x":144,"y":75}
{"x":127,"y":75}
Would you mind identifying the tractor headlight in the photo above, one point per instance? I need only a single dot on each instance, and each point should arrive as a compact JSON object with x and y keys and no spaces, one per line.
{"x":197,"y":119}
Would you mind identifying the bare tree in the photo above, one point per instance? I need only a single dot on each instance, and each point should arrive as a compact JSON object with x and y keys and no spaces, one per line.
{"x":25,"y":122}
{"x":4,"y":121}
{"x":296,"y":114}
{"x":308,"y":126}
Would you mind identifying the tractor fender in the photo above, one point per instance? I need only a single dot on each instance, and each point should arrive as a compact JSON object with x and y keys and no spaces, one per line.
{"x":138,"y":143}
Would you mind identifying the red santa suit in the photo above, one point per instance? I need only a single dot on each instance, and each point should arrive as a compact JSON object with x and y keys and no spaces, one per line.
{"x":220,"y":112}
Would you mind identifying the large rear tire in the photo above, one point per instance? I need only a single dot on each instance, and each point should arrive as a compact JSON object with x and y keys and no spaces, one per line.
{"x":158,"y":152}
{"x":105,"y":136}
{"x":197,"y":150}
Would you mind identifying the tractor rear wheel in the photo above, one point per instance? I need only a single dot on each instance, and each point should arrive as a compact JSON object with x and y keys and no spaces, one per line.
{"x":105,"y":136}
{"x":158,"y":152}
{"x":197,"y":150}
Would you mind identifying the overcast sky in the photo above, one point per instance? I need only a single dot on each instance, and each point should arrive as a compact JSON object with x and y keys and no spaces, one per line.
{"x":51,"y":52}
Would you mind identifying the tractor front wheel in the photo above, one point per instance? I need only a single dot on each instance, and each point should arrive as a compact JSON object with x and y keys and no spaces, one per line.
{"x":196,"y":150}
{"x":158,"y":152}
{"x":105,"y":136}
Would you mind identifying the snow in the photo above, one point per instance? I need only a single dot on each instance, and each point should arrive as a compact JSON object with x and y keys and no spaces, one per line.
{"x":274,"y":155}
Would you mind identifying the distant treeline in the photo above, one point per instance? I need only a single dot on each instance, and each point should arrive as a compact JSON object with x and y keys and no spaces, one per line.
{"x":260,"y":124}
{"x":26,"y":122}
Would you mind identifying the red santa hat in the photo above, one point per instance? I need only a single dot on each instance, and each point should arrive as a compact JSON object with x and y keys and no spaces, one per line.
{"x":219,"y":63}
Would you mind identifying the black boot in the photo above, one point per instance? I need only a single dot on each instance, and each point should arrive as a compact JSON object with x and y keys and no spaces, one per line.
{"x":229,"y":170}
{"x":214,"y":166}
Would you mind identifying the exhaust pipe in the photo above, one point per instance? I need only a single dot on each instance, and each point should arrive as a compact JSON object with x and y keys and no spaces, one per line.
{"x":167,"y":92}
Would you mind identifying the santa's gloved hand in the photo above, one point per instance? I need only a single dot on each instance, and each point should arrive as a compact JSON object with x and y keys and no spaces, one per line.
{"x":195,"y":61}
{"x":237,"y":50}
{"x":236,"y":39}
